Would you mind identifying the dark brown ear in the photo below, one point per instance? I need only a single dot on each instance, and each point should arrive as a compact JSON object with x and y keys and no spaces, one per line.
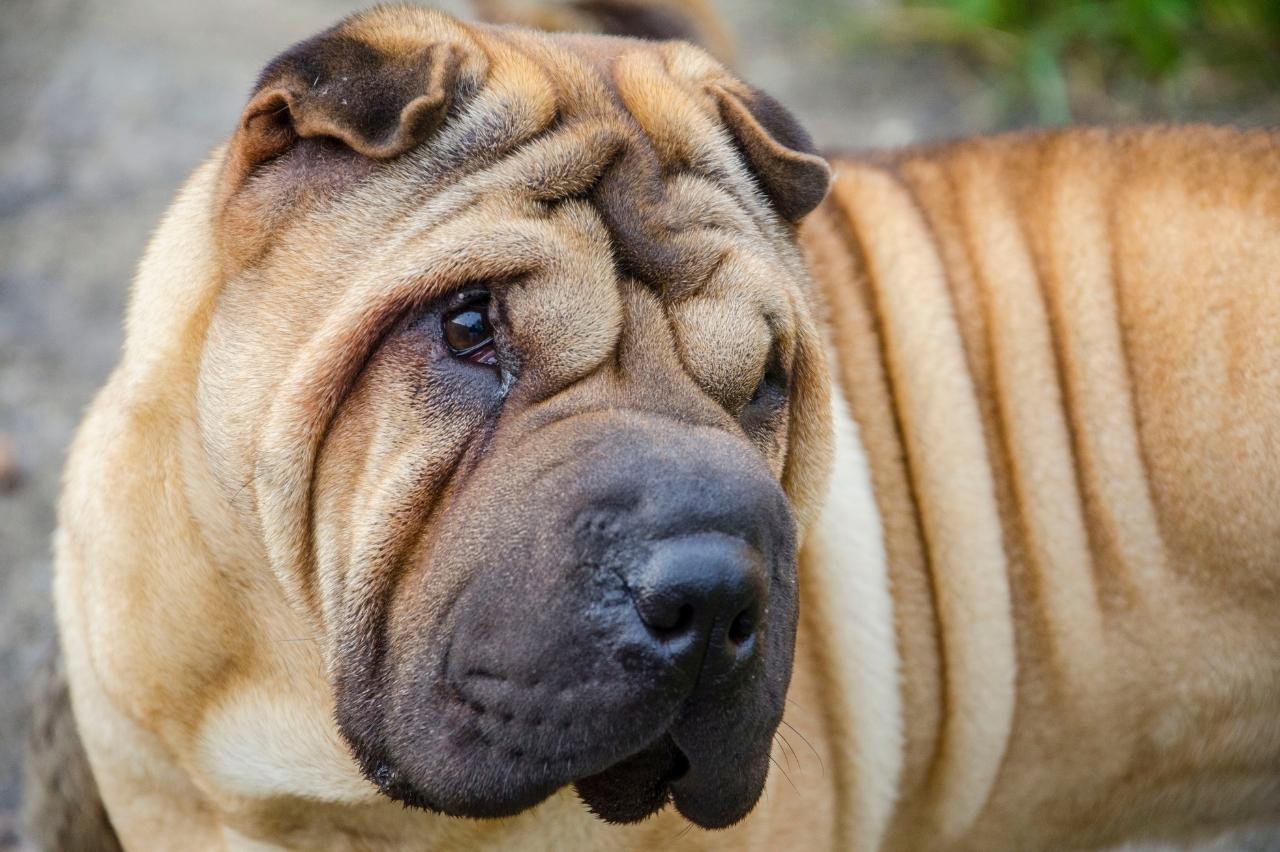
{"x":778,"y":150}
{"x":377,"y":101}
{"x":326,"y":112}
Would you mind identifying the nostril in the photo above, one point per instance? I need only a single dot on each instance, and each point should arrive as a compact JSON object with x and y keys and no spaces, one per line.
{"x":701,"y":597}
{"x":743,"y":627}
{"x":670,"y":622}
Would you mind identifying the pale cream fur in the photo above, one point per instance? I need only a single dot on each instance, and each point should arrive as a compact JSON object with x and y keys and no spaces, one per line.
{"x":846,"y":589}
{"x":959,"y":513}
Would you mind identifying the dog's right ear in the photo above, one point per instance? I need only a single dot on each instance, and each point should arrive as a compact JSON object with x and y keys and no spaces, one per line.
{"x":776,"y":148}
{"x":331,"y":108}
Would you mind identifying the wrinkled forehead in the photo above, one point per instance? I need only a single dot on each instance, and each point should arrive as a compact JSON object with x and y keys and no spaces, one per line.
{"x":657,"y":88}
{"x":625,"y":125}
{"x":401,"y":121}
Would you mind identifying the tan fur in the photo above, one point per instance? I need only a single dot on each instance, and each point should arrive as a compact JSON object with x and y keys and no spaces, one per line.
{"x":1115,"y":298}
{"x":1037,"y":603}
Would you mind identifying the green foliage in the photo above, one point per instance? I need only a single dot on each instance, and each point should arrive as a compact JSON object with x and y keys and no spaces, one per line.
{"x":1057,"y":54}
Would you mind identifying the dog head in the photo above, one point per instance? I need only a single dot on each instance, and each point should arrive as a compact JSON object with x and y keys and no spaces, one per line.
{"x":517,"y":355}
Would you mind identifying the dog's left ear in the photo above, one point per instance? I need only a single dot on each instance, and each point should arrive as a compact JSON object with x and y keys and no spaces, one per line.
{"x":378,"y":103}
{"x":329,"y":110}
{"x":379,"y":106}
{"x":778,"y":150}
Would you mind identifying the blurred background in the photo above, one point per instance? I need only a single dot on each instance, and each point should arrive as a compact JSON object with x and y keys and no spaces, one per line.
{"x":105,"y":108}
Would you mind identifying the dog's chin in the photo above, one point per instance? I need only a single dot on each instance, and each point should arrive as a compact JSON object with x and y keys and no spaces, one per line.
{"x":643,"y":784}
{"x":637,"y":787}
{"x":629,"y":791}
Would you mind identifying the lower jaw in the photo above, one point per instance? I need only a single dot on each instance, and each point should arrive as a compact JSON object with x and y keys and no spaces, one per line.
{"x":637,"y":787}
{"x":643,"y":784}
{"x":627,"y":792}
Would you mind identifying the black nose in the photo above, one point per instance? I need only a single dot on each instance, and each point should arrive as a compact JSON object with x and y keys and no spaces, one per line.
{"x":701,"y":598}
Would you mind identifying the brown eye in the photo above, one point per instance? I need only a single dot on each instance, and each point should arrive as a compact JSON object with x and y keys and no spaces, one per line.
{"x":468,"y":333}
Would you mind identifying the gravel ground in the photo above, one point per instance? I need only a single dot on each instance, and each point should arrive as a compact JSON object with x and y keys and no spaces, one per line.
{"x":105,"y":108}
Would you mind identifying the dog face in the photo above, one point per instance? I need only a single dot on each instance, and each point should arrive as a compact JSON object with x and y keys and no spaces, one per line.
{"x":515,"y":357}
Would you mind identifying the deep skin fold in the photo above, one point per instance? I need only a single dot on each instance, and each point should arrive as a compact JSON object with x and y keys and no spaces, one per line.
{"x":639,"y":232}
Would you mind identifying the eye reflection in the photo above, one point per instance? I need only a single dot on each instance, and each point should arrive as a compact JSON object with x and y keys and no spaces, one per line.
{"x":468,"y":332}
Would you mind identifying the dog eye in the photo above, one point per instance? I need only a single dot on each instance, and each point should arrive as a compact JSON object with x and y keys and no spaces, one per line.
{"x":468,"y":332}
{"x":769,"y":396}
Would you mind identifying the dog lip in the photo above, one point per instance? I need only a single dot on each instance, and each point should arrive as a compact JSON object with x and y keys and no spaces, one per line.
{"x":639,"y":786}
{"x":715,"y":794}
{"x":635,"y":787}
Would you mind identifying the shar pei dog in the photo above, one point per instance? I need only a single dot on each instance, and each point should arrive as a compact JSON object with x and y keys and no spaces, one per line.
{"x":527,"y":441}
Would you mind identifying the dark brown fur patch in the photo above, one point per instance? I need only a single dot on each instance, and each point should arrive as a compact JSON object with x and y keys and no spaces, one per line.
{"x":778,"y":150}
{"x":338,"y":86}
{"x":327,"y":112}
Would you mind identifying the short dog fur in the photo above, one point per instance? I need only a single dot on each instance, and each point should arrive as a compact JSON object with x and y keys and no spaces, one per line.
{"x":995,"y":426}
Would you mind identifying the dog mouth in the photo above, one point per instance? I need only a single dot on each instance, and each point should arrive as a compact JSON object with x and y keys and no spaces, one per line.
{"x":641,"y":785}
{"x":636,"y":787}
{"x":494,"y":750}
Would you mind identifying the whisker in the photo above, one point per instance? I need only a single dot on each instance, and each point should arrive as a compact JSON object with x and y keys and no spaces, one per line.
{"x":775,"y":762}
{"x":787,"y":745}
{"x":782,"y":748}
{"x":809,"y":744}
